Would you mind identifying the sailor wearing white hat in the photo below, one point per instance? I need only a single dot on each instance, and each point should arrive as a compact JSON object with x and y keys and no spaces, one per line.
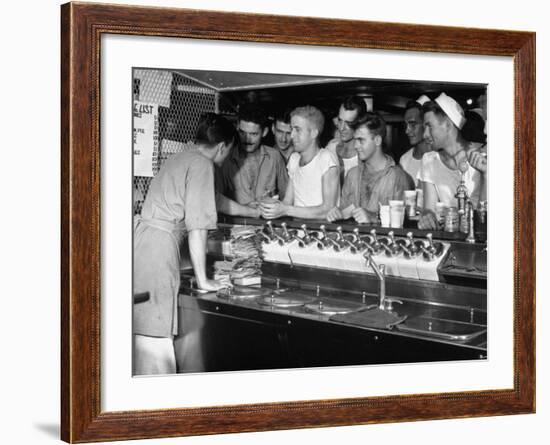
{"x":441,"y":171}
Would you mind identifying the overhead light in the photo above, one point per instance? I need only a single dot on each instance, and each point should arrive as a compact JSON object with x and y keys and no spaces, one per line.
{"x":469,"y":101}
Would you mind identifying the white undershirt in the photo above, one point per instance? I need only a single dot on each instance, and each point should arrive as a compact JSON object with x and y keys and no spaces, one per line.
{"x":307,"y":180}
{"x":410,"y":164}
{"x":446,"y":181}
{"x":349,"y":163}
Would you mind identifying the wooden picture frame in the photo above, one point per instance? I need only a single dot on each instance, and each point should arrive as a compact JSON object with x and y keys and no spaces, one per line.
{"x":82,"y":26}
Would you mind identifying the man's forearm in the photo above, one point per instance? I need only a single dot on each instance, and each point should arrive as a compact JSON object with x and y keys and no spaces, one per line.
{"x":315,"y":212}
{"x":230,"y":207}
{"x":197,"y":252}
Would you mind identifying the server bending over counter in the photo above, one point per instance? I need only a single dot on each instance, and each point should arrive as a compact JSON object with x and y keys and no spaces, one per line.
{"x":180,"y":202}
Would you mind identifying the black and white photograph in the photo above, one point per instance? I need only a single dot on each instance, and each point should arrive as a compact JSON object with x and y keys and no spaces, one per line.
{"x":286,"y":221}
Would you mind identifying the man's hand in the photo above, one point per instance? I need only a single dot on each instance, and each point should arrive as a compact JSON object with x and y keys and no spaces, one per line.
{"x":210,"y":285}
{"x":478,"y":160}
{"x":334,"y":214}
{"x":360,"y":215}
{"x":272,"y":209}
{"x":253,"y":210}
{"x":428,"y":221}
{"x":253,"y":204}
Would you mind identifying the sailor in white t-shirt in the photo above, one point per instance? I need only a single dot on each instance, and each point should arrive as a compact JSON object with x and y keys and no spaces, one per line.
{"x":313,"y":188}
{"x":414,"y":129}
{"x":441,"y":170}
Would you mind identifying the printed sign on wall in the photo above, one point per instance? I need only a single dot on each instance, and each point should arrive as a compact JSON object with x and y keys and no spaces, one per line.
{"x":146,"y":138}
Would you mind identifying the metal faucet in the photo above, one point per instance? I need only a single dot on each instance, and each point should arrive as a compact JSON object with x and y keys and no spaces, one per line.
{"x":379,"y":271}
{"x":273,"y":236}
{"x":325,"y":242}
{"x":433,"y":250}
{"x":409,"y":247}
{"x":461,"y":194}
{"x":470,"y":215}
{"x":389,"y":245}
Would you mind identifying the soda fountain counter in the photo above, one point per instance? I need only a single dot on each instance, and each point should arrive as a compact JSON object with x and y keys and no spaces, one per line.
{"x":343,"y":294}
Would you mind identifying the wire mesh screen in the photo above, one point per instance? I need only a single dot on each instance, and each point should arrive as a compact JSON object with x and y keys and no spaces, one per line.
{"x":176,"y":103}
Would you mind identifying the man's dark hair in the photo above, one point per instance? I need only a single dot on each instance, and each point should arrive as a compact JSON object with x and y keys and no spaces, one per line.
{"x":413,"y":104}
{"x":433,"y":107}
{"x":213,"y":129}
{"x":356,"y":103}
{"x":472,"y":130}
{"x":252,"y":113}
{"x":282,"y":116}
{"x":373,"y":122}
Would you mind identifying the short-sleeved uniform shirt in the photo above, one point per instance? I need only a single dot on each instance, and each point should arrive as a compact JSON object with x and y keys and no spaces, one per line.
{"x":446,"y":181}
{"x":180,"y":198}
{"x":307,"y":180}
{"x":368,"y":190}
{"x":251,"y":177}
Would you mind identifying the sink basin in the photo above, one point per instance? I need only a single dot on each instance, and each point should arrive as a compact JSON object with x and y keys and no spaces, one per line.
{"x":327,"y":306}
{"x":444,"y":329}
{"x":243,"y":292}
{"x":285,"y":300}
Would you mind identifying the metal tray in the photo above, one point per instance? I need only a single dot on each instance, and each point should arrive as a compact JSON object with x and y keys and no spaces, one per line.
{"x":444,"y":329}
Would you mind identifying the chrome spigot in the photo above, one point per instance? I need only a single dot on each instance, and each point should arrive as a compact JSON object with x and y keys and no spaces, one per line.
{"x":286,"y":235}
{"x":375,"y":244}
{"x":409,"y":247}
{"x":307,"y":236}
{"x":265,"y":237}
{"x":344,"y":241}
{"x":431,"y":246}
{"x":379,"y":271}
{"x":301,"y":242}
{"x":462,"y":194}
{"x":470,"y":215}
{"x":389,"y":245}
{"x":359,"y":243}
{"x":274,"y":236}
{"x":432,"y":250}
{"x":325,"y":242}
{"x":270,"y":229}
{"x":339,"y":243}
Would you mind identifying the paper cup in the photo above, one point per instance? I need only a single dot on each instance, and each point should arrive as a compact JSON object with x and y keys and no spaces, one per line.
{"x":419,"y":200}
{"x":385,"y":216}
{"x":410,"y":202}
{"x":397,"y":214}
{"x":440,"y":211}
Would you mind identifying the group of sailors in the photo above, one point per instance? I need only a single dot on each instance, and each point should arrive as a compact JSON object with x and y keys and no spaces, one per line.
{"x":228,"y":169}
{"x":353,"y":175}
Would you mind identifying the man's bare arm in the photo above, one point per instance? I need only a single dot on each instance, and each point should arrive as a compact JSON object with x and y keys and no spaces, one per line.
{"x":230,"y":207}
{"x":197,"y":252}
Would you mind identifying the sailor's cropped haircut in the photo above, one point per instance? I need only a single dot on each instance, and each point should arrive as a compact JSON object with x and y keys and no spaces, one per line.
{"x":312,"y":115}
{"x":356,"y":103}
{"x":414,"y":105}
{"x":213,"y":129}
{"x":434,"y":108}
{"x":252,"y":113}
{"x":373,"y":122}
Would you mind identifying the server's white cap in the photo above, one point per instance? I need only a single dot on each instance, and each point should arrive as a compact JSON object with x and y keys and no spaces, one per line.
{"x":452,"y":109}
{"x":423,"y":99}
